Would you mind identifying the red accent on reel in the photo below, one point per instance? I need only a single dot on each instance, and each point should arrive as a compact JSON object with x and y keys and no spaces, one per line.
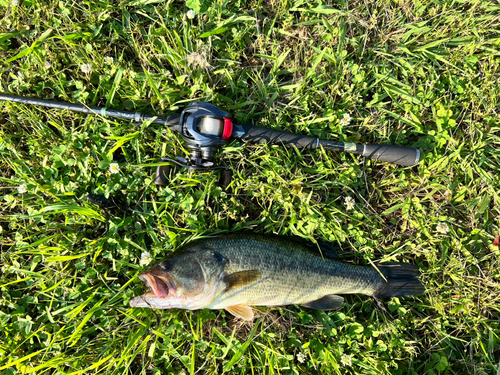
{"x":228,"y":129}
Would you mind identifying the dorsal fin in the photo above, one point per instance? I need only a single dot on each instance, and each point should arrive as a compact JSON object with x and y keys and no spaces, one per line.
{"x":328,"y":250}
{"x":321,"y":247}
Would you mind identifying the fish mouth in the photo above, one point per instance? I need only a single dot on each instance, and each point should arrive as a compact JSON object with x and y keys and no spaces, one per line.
{"x":159,"y":286}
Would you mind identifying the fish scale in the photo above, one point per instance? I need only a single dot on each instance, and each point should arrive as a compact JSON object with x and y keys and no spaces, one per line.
{"x":290,"y":275}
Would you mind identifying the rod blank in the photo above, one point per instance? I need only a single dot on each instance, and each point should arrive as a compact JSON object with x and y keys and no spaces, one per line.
{"x":171,"y":121}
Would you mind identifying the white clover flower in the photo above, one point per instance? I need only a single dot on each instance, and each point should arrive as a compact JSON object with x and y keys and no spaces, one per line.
{"x":442,"y":228}
{"x":349,"y":203}
{"x":22,"y":189}
{"x":346,"y":360}
{"x":196,"y":60}
{"x":108,"y":60}
{"x":190,"y":14}
{"x":114,"y":168}
{"x":301,"y":357}
{"x":145,"y":258}
{"x":86,"y":68}
{"x":73,"y":185}
{"x":14,"y":3}
{"x":47,"y":65}
{"x":346,"y":119}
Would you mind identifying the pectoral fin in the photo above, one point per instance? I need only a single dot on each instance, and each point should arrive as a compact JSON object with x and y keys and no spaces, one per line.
{"x":328,"y":302}
{"x":242,"y":278}
{"x":241,"y":311}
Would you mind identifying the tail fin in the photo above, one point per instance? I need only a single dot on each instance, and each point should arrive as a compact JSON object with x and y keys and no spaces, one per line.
{"x":402,"y":280}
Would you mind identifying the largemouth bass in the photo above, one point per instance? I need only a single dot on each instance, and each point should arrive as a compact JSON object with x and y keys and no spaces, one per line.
{"x":237,"y":271}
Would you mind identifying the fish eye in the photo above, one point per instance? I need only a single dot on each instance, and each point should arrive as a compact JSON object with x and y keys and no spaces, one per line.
{"x":166,"y":266}
{"x":218,"y":257}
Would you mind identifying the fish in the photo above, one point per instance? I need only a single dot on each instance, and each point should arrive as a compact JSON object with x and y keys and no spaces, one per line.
{"x":240,"y":270}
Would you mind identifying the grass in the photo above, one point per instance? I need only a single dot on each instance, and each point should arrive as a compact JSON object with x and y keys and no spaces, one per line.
{"x":422,"y":74}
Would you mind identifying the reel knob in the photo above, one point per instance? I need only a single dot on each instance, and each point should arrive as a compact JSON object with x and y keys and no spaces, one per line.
{"x":162,"y":175}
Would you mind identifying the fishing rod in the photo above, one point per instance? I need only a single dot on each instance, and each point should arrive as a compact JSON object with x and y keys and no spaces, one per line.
{"x":206,"y":128}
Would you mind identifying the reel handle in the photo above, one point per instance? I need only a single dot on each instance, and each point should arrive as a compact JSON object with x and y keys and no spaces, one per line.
{"x":162,"y":175}
{"x":163,"y":172}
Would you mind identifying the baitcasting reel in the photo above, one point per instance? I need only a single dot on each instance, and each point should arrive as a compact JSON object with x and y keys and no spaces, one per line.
{"x":206,"y":128}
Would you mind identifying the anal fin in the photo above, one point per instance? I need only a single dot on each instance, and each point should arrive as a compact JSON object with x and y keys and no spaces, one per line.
{"x":328,"y":302}
{"x":241,"y":311}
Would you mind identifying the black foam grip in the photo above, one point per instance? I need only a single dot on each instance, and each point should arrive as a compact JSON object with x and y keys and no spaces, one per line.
{"x":406,"y":156}
{"x":256,"y":134}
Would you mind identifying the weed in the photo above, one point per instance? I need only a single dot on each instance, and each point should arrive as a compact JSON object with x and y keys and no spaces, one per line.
{"x":422,"y":74}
